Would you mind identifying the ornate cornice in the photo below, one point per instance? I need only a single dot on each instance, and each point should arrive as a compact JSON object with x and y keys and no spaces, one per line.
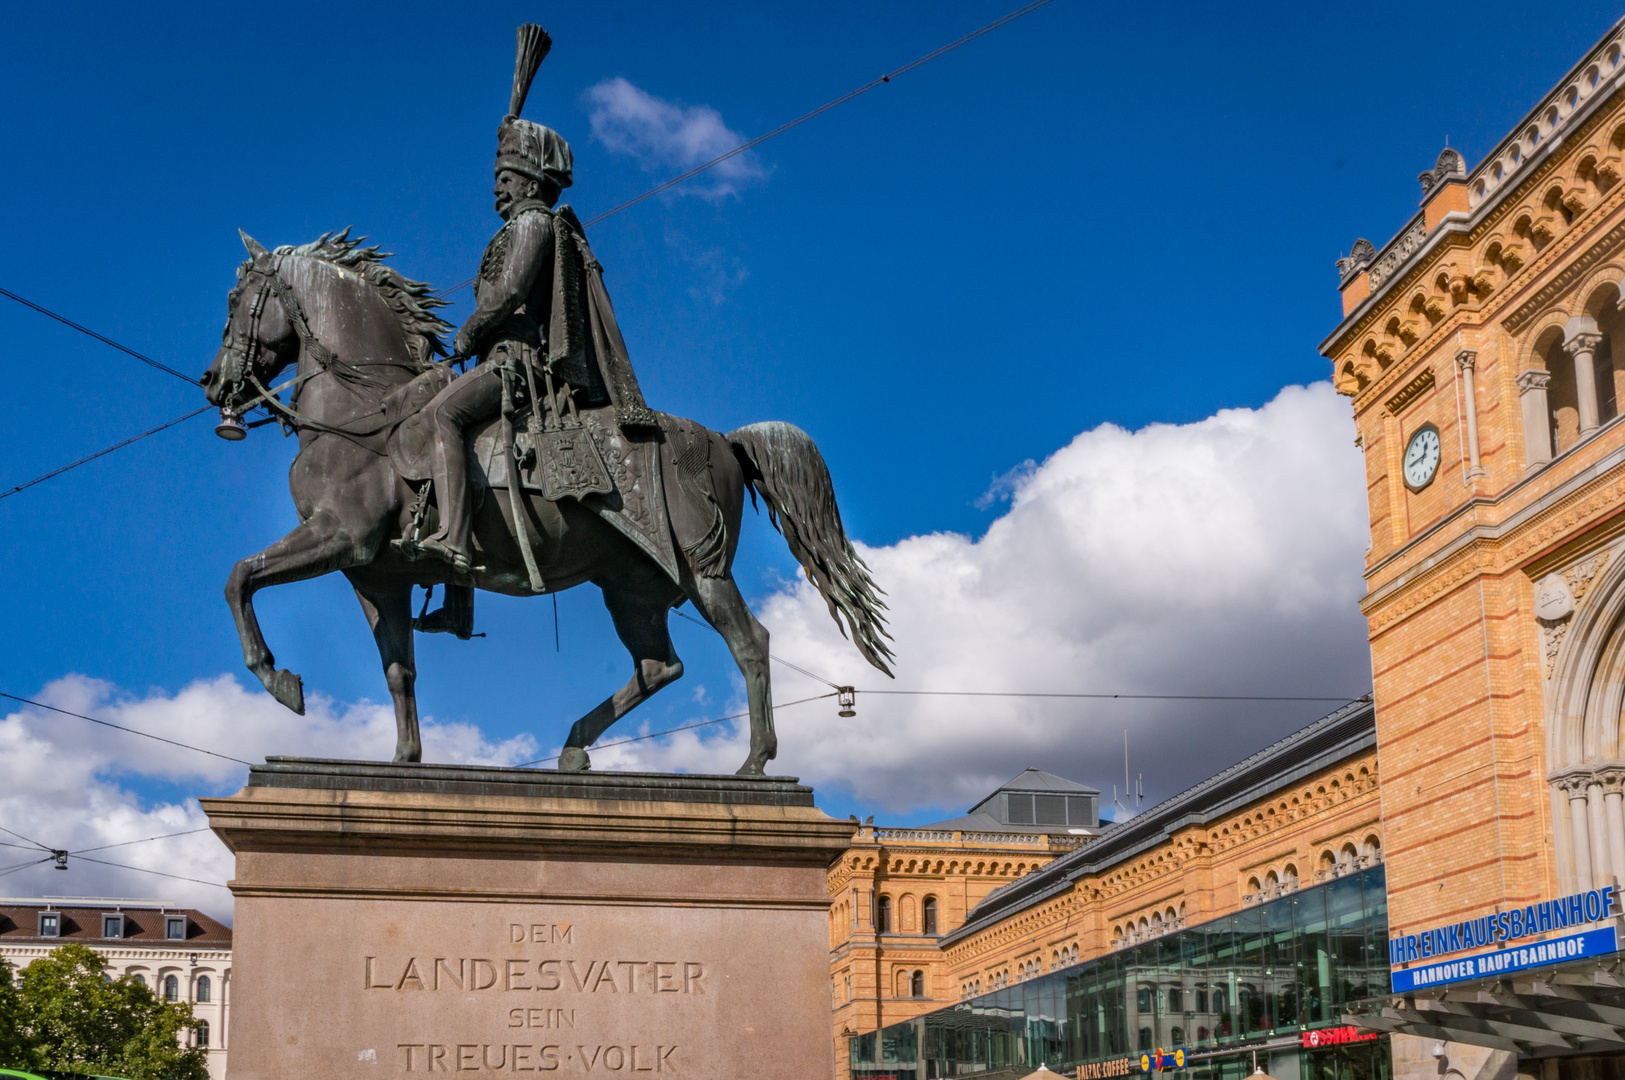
{"x":1398,"y":251}
{"x":1518,"y":164}
{"x":1577,"y":270}
{"x":1410,"y":392}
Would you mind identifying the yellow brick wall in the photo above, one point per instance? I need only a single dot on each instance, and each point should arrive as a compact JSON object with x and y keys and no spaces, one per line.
{"x":1457,"y":654}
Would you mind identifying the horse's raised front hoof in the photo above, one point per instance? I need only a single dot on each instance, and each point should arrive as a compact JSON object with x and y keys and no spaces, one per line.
{"x":289,"y":689}
{"x":406,"y":752}
{"x":574,"y":759}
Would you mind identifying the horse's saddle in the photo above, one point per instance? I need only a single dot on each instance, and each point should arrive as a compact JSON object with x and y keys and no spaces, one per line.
{"x":615,"y":475}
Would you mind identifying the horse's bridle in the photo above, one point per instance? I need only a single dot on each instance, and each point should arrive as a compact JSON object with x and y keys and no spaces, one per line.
{"x":245,"y":353}
{"x":269,"y":270}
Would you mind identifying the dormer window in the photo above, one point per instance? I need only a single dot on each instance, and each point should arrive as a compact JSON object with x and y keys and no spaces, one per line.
{"x":50,"y":924}
{"x":175,"y":928}
{"x":113,"y":925}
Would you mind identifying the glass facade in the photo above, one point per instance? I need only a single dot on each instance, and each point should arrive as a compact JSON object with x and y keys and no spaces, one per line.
{"x":1252,"y":981}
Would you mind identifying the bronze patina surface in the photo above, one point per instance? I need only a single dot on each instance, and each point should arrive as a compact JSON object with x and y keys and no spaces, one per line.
{"x":537,"y":469}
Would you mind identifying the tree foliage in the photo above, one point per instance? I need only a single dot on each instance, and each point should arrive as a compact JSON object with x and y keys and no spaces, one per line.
{"x":67,"y":1014}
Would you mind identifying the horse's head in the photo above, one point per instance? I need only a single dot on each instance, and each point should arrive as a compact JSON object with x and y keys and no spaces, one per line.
{"x":259,"y":339}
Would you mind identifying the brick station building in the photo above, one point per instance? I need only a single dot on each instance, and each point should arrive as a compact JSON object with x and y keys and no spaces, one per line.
{"x":1478,"y":346}
{"x":1236,"y":918}
{"x":1454,"y":914}
{"x":896,"y":892}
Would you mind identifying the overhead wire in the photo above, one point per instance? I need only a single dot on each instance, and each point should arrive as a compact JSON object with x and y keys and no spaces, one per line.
{"x":771,"y":656}
{"x":802,"y":119}
{"x":675,"y":730}
{"x":147,"y":840}
{"x":88,"y":458}
{"x":64,"y":320}
{"x":6,"y":871}
{"x":20,"y":836}
{"x":828,"y":105}
{"x":160,"y":873}
{"x":1108,"y":697}
{"x":121,"y":727}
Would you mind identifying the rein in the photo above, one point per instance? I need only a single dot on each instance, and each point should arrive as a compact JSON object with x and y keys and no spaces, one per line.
{"x":326,"y":361}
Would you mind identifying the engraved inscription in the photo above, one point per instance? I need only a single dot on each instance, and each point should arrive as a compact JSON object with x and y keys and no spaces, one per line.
{"x":582,"y":977}
{"x":520,"y":1057}
{"x":516,"y":980}
{"x":540,"y":933}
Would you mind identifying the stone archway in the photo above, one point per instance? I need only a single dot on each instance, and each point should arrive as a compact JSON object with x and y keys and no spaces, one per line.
{"x":1581,"y":612}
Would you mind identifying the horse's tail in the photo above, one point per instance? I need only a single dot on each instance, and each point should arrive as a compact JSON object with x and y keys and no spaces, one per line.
{"x":781,"y":462}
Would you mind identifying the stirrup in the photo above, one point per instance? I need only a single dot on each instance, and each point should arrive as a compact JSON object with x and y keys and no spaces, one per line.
{"x":459,"y":562}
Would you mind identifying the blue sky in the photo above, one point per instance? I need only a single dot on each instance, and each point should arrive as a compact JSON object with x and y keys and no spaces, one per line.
{"x":1100,"y":214}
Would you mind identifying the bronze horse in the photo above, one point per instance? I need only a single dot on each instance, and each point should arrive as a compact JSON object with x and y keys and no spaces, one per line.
{"x":355,"y":329}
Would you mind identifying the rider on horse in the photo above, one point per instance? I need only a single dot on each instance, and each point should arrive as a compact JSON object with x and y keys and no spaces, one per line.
{"x":540,"y":301}
{"x":513,"y":293}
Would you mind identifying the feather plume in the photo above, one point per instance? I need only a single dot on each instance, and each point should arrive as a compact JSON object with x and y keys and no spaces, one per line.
{"x":533,"y":47}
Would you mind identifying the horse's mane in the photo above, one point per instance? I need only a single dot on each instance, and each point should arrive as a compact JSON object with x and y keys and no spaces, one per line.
{"x":413,"y":301}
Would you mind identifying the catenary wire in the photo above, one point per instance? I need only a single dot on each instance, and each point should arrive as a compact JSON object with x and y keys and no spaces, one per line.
{"x":146,"y":840}
{"x":843,"y":99}
{"x":87,"y":459}
{"x":120,"y":727}
{"x":145,"y":359}
{"x":675,"y":730}
{"x":6,"y":871}
{"x":771,"y":656}
{"x":1110,"y":697}
{"x":160,"y":873}
{"x":802,"y":119}
{"x":20,"y":836}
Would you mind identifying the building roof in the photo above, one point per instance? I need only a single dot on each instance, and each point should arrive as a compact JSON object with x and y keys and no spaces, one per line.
{"x":1348,"y":731}
{"x":985,"y":815}
{"x":144,"y":923}
{"x":1574,"y":99}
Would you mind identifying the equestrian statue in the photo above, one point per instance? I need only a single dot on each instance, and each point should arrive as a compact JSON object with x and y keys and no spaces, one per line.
{"x":537,"y":469}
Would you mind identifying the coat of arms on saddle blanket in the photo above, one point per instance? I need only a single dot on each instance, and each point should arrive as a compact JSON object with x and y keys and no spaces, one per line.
{"x":635,"y":503}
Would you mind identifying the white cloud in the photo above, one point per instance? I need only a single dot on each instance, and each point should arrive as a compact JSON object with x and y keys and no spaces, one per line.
{"x":662,"y":136}
{"x":67,"y":783}
{"x":1218,"y":557}
{"x":1222,"y":556}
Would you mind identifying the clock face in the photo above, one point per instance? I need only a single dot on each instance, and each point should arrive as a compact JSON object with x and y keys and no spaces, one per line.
{"x":1421,"y":458}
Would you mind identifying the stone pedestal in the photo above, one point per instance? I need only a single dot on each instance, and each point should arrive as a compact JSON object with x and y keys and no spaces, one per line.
{"x":402,"y":919}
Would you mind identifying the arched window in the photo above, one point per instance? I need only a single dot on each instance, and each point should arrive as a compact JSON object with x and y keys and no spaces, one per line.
{"x":202,"y":1032}
{"x":918,"y":987}
{"x":172,"y":988}
{"x":141,"y":979}
{"x":930,"y":909}
{"x":203,"y":988}
{"x":883,"y":915}
{"x":1562,"y":395}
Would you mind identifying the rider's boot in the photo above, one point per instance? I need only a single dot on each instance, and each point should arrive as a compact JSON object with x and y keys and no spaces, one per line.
{"x":454,"y":616}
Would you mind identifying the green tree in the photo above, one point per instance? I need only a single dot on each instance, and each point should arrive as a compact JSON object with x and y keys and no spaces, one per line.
{"x":13,"y":1047}
{"x":75,"y":1018}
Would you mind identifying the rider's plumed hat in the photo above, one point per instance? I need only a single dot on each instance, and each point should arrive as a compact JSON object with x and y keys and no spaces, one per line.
{"x":525,"y":147}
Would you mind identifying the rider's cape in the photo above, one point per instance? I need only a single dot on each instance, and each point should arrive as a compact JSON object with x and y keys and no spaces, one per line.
{"x":584,"y":344}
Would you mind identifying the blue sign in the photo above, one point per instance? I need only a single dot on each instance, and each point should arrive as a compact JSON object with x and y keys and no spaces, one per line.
{"x":1515,"y":958}
{"x":1503,"y":926}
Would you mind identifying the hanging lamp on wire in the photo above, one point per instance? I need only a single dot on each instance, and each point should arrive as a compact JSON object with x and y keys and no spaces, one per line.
{"x":846,"y":698}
